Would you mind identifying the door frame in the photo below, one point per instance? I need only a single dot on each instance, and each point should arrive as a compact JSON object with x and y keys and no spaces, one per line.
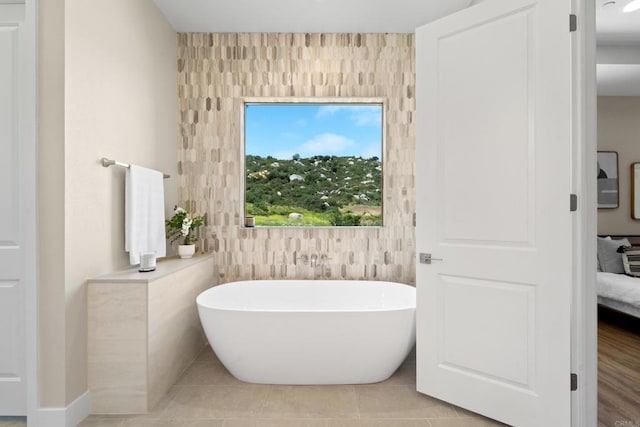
{"x":584,"y":358}
{"x":29,"y":162}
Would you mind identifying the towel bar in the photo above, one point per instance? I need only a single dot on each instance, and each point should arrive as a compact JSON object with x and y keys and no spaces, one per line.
{"x":108,"y":162}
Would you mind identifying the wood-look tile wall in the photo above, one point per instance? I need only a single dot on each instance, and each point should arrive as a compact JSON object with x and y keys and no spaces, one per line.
{"x":215,"y":72}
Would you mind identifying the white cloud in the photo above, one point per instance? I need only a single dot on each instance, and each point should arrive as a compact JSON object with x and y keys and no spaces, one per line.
{"x":327,"y":110}
{"x":369,"y":116}
{"x":326,"y":144}
{"x":360,"y":115}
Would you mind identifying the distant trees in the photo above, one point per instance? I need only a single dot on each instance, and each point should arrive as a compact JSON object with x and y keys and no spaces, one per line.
{"x":329,"y":186}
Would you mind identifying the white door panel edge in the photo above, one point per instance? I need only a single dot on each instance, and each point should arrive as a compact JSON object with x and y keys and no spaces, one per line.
{"x":584,"y":312}
{"x":18,"y":293}
{"x":12,"y":286}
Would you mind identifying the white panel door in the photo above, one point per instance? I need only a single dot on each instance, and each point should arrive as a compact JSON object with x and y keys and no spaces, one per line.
{"x":12,"y":288}
{"x":493,"y":142}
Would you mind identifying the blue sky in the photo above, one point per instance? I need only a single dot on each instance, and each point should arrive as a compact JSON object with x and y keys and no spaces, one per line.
{"x":282,"y":130}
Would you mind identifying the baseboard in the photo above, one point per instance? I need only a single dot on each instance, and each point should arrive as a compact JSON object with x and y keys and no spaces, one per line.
{"x":70,"y":416}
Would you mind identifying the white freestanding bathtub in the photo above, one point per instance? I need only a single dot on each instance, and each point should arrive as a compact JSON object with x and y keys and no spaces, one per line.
{"x":309,"y":331}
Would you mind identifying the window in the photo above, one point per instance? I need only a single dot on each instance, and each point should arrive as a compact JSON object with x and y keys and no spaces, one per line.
{"x":313,"y":162}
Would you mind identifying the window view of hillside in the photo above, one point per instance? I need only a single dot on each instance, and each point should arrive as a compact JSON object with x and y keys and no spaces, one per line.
{"x":313,"y":164}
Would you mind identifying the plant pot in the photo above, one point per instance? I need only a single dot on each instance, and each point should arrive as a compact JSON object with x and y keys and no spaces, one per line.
{"x":186,"y":251}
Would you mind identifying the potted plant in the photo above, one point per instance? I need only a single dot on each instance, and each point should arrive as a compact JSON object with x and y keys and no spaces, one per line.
{"x":182,"y":226}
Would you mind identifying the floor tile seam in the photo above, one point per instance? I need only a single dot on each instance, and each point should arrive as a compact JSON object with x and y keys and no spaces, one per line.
{"x":206,"y":384}
{"x":216,"y":363}
{"x":405,"y":419}
{"x":320,"y":417}
{"x":397,"y":384}
{"x":469,"y":417}
{"x":247,"y":385}
{"x":228,"y":418}
{"x":378,"y":385}
{"x":263,"y":419}
{"x":113,"y":416}
{"x":400,"y":418}
{"x":226,"y":421}
{"x":357,"y":402}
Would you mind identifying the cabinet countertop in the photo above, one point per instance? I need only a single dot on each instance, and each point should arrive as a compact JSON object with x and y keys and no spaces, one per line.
{"x":164,"y":267}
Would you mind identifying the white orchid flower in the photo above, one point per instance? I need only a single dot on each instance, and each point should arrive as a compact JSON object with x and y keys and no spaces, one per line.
{"x":186,"y":226}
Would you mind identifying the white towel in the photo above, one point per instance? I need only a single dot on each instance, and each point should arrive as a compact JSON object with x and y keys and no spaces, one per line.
{"x":144,"y":213}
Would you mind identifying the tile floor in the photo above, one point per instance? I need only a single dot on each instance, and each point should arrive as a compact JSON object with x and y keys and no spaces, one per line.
{"x":208,"y":396}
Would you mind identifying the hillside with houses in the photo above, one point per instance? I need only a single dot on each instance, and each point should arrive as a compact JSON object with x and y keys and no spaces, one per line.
{"x":318,"y":190}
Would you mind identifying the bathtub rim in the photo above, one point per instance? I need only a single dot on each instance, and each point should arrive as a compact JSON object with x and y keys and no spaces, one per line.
{"x":399,"y":307}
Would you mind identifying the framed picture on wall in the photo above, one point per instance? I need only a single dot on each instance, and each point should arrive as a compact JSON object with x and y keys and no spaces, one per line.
{"x":607,"y":180}
{"x":635,"y":190}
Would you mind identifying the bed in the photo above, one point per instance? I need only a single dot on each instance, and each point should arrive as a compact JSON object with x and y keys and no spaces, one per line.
{"x":619,"y":292}
{"x":616,"y":290}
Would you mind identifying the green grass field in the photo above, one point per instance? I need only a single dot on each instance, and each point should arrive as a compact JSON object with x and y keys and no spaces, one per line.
{"x":278,"y":216}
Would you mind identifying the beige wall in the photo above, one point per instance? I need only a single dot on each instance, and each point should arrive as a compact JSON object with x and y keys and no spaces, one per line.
{"x":216,"y":70}
{"x":619,"y":130}
{"x":115,"y":95}
{"x":51,"y":298}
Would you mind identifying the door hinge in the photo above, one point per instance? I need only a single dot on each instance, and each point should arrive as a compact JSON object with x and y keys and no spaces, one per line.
{"x":573,"y":202}
{"x":573,"y":23}
{"x":574,"y":382}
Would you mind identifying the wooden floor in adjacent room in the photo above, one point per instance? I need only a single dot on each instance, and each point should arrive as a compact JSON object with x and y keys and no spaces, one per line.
{"x":618,"y":370}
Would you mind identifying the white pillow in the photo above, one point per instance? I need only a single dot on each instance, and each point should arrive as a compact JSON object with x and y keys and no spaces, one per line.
{"x":609,"y":259}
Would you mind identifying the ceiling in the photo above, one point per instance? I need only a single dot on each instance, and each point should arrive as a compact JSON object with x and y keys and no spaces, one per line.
{"x":375,"y":16}
{"x":615,"y":27}
{"x":307,"y":16}
{"x":618,"y":76}
{"x":618,"y":36}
